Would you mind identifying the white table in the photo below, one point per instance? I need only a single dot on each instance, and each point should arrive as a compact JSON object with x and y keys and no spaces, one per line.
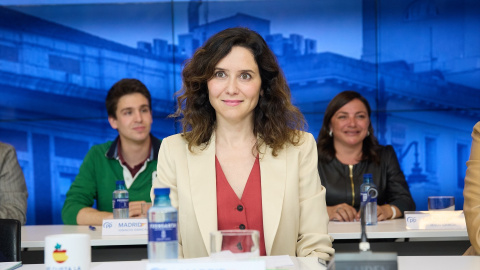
{"x":33,"y":236}
{"x":299,"y":264}
{"x":404,"y":263}
{"x":104,"y":248}
{"x":438,"y":262}
{"x":107,"y":248}
{"x":392,"y":229}
{"x":392,"y":235}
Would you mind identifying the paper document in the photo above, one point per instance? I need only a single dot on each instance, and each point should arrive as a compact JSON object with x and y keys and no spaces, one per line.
{"x":10,"y":265}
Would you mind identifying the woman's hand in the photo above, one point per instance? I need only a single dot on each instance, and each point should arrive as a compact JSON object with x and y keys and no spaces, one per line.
{"x":384,"y":212}
{"x":342,"y":212}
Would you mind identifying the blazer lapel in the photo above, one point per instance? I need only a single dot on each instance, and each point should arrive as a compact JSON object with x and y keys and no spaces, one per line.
{"x":273,"y":172}
{"x":201,"y":166}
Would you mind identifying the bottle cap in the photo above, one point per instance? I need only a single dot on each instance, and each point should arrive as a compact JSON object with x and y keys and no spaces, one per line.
{"x":161,"y":191}
{"x":120,"y":182}
{"x":367,"y":175}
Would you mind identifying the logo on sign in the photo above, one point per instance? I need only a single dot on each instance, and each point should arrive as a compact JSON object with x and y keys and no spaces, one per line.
{"x":59,"y":255}
{"x":411,"y":220}
{"x":107,"y":225}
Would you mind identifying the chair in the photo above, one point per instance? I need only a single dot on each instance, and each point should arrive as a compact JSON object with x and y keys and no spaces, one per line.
{"x":10,"y":240}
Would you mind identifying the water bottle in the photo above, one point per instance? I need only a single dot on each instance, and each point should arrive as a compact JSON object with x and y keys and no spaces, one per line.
{"x":368,"y":188}
{"x":162,"y":227}
{"x":120,"y":200}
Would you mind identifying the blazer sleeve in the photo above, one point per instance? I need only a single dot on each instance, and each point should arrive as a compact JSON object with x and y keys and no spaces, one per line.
{"x":166,"y":174}
{"x":471,"y":192}
{"x":13,"y":190}
{"x":167,"y":178}
{"x":398,"y":193}
{"x":313,"y":237}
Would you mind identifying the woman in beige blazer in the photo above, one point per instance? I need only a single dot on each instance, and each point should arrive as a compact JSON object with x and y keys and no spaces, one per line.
{"x":471,"y":193}
{"x":236,"y":107}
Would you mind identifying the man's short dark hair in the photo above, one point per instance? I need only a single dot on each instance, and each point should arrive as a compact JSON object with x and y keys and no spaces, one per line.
{"x":125,"y":87}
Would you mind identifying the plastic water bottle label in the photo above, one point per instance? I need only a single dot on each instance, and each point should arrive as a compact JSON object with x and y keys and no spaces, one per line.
{"x":120,"y":203}
{"x":364,"y":196}
{"x":162,"y":231}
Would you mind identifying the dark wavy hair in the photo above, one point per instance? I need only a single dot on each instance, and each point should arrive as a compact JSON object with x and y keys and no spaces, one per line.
{"x":276,"y":120}
{"x":326,"y":149}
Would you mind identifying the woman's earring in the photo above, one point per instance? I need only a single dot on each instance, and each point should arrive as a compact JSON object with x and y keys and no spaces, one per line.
{"x":330,"y":133}
{"x":368,"y":133}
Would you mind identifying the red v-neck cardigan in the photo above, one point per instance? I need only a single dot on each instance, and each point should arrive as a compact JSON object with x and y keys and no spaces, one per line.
{"x":245,"y":213}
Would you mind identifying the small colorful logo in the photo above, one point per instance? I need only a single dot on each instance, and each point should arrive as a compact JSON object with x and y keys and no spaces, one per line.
{"x":107,"y":225}
{"x":411,"y":219}
{"x":59,"y":255}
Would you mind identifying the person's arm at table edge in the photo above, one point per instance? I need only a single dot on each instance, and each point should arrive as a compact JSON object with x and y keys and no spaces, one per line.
{"x":166,"y":177}
{"x":91,"y":216}
{"x":398,"y":193}
{"x":313,"y":239}
{"x":471,"y":192}
{"x":81,"y":193}
{"x":13,"y":190}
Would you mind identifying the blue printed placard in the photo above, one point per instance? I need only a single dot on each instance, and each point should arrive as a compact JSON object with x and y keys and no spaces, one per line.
{"x":127,"y":226}
{"x":162,"y":231}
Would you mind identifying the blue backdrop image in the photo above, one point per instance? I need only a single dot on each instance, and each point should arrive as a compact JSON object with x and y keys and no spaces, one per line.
{"x":417,"y":62}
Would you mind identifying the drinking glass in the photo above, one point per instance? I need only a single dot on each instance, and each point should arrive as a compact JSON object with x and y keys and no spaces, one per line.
{"x":234,"y":244}
{"x":442,"y":203}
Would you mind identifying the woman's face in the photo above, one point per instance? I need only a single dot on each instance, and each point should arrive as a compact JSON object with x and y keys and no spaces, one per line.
{"x":234,"y":89}
{"x":350,"y":124}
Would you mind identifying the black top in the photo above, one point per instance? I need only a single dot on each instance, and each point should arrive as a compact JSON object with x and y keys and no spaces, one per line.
{"x":389,"y":178}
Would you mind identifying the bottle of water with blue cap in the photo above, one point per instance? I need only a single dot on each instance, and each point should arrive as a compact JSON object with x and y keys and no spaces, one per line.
{"x":368,"y":195}
{"x":162,"y":227}
{"x":120,"y":200}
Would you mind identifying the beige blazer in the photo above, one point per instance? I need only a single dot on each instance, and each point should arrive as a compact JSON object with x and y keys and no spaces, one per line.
{"x":471,"y":193}
{"x":295,"y":217}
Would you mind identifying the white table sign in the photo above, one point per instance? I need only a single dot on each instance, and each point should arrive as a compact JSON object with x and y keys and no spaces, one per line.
{"x":129,"y":226}
{"x":435,"y":220}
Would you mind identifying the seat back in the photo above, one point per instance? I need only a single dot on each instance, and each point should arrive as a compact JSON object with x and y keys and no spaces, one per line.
{"x":10,"y":240}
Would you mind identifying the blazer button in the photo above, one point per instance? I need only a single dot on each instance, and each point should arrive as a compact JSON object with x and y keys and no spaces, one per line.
{"x":242,"y":227}
{"x":239,"y":208}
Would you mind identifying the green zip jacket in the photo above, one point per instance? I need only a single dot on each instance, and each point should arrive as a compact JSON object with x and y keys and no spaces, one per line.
{"x":96,"y":179}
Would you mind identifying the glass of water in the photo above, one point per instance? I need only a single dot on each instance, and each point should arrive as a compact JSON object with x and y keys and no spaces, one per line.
{"x":234,"y":244}
{"x":443,"y":203}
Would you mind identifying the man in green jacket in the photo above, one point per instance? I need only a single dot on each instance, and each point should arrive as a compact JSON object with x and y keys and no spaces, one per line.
{"x":132,"y":157}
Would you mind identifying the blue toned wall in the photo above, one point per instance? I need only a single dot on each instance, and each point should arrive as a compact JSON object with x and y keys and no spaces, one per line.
{"x":415,"y":61}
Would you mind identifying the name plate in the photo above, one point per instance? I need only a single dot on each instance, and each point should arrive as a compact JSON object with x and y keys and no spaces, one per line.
{"x":128,"y":226}
{"x":207,"y":265}
{"x":435,"y":220}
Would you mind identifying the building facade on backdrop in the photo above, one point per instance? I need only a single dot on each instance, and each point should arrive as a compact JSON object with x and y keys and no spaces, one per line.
{"x":53,"y":82}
